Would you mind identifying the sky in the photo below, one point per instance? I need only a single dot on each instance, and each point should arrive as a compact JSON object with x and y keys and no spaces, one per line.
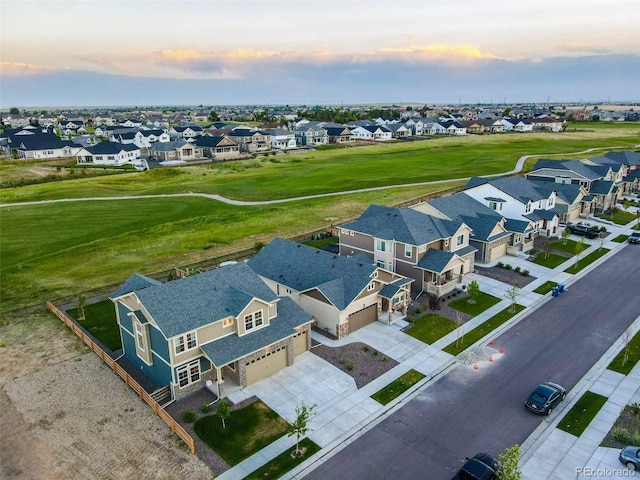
{"x":292,"y":52}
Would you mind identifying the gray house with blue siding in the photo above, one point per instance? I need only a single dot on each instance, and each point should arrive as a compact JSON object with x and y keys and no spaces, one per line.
{"x":224,"y":324}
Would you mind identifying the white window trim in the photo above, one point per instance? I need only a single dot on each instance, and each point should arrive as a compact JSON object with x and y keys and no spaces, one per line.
{"x":460,"y":240}
{"x":227,"y":322}
{"x":187,"y":369}
{"x":253,"y":321}
{"x":371,"y":286}
{"x":182,"y":341}
{"x":408,"y":249}
{"x":141,"y":338}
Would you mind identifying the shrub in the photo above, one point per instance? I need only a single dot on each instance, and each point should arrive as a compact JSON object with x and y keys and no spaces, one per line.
{"x":375,"y":352}
{"x":507,"y":266}
{"x":500,"y":265}
{"x":517,"y":269}
{"x":525,"y":273}
{"x":419,"y":310}
{"x":350,"y":366}
{"x":434,"y":303}
{"x":189,"y":416}
{"x":205,"y":408}
{"x":621,"y":434}
{"x":342,"y":359}
{"x":603,"y":228}
{"x":365,"y":348}
{"x":384,"y":359}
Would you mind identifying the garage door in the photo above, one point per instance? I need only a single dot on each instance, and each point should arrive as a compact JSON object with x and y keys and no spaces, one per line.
{"x":363,"y":317}
{"x":266,"y":365}
{"x":300,"y":343}
{"x":499,"y":251}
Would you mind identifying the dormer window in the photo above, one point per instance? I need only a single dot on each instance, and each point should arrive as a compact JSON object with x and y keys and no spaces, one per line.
{"x":253,"y":320}
{"x":371,"y":286}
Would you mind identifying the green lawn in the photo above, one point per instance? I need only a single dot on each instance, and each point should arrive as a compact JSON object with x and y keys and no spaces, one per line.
{"x":546,"y":287}
{"x":569,"y":247}
{"x":586,"y":261}
{"x":100,"y":321}
{"x":583,"y":411}
{"x":620,"y":238}
{"x":549,"y":260}
{"x":247,"y":431}
{"x":431,"y":327}
{"x":619,"y":218}
{"x":483,"y":301}
{"x":322,"y":242}
{"x":631,"y":351}
{"x":397,"y":387}
{"x":285,"y":462}
{"x":481,"y":330}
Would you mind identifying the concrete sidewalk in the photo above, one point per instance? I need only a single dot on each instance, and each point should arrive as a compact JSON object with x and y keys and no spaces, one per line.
{"x":345,"y":412}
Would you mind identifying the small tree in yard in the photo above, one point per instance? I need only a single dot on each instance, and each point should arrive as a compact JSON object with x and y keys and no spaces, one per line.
{"x":224,"y":411}
{"x":459,"y":330}
{"x":300,"y":426}
{"x":509,"y":468}
{"x":473,"y":289}
{"x":565,"y":235}
{"x":546,"y":246}
{"x":512,"y":294}
{"x":434,"y":302}
{"x":82,"y":301}
{"x":580,"y":246}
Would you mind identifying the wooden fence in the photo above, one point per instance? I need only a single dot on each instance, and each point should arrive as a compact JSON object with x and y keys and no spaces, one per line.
{"x":175,"y":427}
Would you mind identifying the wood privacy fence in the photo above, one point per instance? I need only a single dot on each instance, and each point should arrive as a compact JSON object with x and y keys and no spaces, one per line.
{"x":175,"y":427}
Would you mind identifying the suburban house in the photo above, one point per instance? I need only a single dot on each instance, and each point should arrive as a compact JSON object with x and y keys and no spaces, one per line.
{"x":451,"y":127}
{"x":472,"y":126}
{"x":399,"y":130}
{"x":517,"y":198}
{"x":627,"y":166}
{"x":249,"y":140}
{"x":34,"y":143}
{"x":433,"y":251}
{"x":187,"y":133}
{"x":600,"y":181}
{"x":175,"y":152}
{"x":491,"y":125}
{"x":342,"y":294}
{"x":282,"y":139}
{"x":311,"y":135}
{"x":221,"y":148}
{"x":378,"y":133}
{"x":145,"y":138}
{"x":109,"y":153}
{"x":340,"y":135}
{"x":547,"y":123}
{"x":517,"y":125}
{"x":416,"y":125}
{"x":224,"y":325}
{"x":489,"y":235}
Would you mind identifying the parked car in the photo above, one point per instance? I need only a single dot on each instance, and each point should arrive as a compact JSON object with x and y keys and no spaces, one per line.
{"x":634,"y":237}
{"x":584,"y":230}
{"x":545,"y":398}
{"x":481,"y":467}
{"x":630,"y":456}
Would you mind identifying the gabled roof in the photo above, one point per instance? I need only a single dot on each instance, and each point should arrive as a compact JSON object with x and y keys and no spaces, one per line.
{"x":153,"y":131}
{"x":188,"y":303}
{"x":303,"y":268}
{"x":435,"y":260}
{"x":232,"y":347}
{"x":627,"y":157}
{"x":518,"y":226}
{"x":106,"y":148}
{"x":168,"y":146}
{"x":519,"y":188}
{"x":404,"y":225}
{"x":567,"y":192}
{"x":391,"y":290}
{"x":335,"y":131}
{"x":461,"y":207}
{"x":541,"y":215}
{"x":575,"y":166}
{"x":135,"y":282}
{"x":209,"y":141}
{"x":601,"y":187}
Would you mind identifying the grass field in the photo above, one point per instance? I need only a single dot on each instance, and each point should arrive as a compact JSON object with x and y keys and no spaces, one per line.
{"x":52,"y":250}
{"x":579,"y":417}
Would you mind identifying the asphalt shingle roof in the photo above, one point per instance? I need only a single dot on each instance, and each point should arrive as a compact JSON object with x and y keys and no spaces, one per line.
{"x":404,"y":225}
{"x":233,"y":347}
{"x":435,"y":260}
{"x":134,"y":282}
{"x":183,"y":305}
{"x":302,"y":268}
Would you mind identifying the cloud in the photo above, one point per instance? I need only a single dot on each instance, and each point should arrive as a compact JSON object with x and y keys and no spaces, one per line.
{"x":20,"y":69}
{"x":440,"y":52}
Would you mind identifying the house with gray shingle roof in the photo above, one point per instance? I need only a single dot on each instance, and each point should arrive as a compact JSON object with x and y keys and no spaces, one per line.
{"x":518,"y":198}
{"x":399,"y":240}
{"x":342,"y":294}
{"x":489,"y":234}
{"x":222,"y":325}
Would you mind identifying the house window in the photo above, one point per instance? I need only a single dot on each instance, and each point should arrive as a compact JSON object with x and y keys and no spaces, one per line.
{"x":380,"y":264}
{"x":375,"y":274}
{"x":493,"y":205}
{"x":371,"y":286}
{"x":460,"y":240}
{"x":421,"y":249}
{"x":227,"y":322}
{"x":188,"y":374}
{"x":185,"y":342}
{"x":248,"y":322}
{"x":257,"y":318}
{"x":381,"y":245}
{"x":287,"y":291}
{"x":253,"y":320}
{"x":408,"y":250}
{"x":140,"y":338}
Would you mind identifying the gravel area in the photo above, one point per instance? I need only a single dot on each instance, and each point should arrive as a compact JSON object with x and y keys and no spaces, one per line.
{"x":505,"y":276}
{"x":357,"y":359}
{"x":96,"y":427}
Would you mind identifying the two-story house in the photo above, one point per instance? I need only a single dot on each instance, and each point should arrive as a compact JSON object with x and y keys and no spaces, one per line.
{"x":517,"y":198}
{"x":219,"y":148}
{"x":433,"y":251}
{"x":342,"y":294}
{"x":250,"y":140}
{"x":311,"y":135}
{"x":224,"y":325}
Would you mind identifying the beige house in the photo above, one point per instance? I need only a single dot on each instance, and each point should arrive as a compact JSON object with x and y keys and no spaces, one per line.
{"x":175,"y":152}
{"x":341,"y":294}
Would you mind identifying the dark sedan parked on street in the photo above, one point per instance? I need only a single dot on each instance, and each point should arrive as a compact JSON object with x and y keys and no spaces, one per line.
{"x":481,"y":467}
{"x":545,"y":398}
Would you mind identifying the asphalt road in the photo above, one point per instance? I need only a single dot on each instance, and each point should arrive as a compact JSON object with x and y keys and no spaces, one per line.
{"x":469,"y":411}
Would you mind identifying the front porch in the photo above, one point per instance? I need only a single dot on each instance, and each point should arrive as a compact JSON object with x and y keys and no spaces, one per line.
{"x":441,"y":286}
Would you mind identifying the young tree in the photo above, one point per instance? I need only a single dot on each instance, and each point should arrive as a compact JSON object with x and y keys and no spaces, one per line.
{"x":82,"y":300}
{"x":509,"y":468}
{"x":473,"y":289}
{"x":300,"y":426}
{"x":459,"y":330}
{"x":580,"y":246}
{"x":434,"y":302}
{"x":565,"y":235}
{"x":512,"y":294}
{"x":224,"y":411}
{"x":546,"y":246}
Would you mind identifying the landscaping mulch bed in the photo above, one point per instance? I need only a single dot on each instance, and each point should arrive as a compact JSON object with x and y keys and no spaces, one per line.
{"x":629,"y":421}
{"x":357,"y":359}
{"x":505,"y":276}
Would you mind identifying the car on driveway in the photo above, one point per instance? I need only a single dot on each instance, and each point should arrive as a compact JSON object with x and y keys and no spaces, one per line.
{"x":545,"y":398}
{"x":630,"y":456}
{"x":481,"y":467}
{"x":634,"y":237}
{"x":584,"y":230}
